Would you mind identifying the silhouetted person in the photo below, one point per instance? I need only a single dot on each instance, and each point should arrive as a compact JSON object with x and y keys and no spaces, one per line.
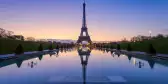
{"x":140,"y":64}
{"x":32,"y":64}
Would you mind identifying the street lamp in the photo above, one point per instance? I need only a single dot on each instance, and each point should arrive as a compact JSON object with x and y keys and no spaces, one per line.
{"x":150,"y":33}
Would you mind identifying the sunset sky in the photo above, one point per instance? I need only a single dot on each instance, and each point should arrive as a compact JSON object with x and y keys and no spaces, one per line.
{"x":107,"y":20}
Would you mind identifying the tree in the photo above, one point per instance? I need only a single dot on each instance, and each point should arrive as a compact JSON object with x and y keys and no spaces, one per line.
{"x":9,"y":33}
{"x":139,"y":38}
{"x":160,"y":36}
{"x":19,"y":49}
{"x":124,"y":40}
{"x":166,"y":36}
{"x":2,"y":32}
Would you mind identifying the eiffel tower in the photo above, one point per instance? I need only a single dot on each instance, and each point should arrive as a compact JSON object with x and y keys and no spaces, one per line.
{"x":84,"y":28}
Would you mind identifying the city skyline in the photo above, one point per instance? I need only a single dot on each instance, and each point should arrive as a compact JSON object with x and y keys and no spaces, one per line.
{"x":107,"y":20}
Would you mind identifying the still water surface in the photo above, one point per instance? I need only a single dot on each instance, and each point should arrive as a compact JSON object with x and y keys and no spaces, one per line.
{"x":80,"y":66}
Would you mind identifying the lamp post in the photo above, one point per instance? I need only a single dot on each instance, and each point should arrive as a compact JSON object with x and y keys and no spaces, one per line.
{"x":150,"y":33}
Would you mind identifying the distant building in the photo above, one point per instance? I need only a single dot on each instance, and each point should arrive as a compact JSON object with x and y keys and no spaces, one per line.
{"x":139,"y":38}
{"x":57,"y":40}
{"x":18,"y":37}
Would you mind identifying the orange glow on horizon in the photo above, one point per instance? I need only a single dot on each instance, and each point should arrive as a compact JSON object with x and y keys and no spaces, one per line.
{"x":51,"y":30}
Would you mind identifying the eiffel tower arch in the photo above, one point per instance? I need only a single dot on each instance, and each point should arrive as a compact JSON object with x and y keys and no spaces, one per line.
{"x":84,"y":29}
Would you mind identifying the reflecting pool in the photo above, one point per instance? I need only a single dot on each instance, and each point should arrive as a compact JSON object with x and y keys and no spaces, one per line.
{"x":84,"y":66}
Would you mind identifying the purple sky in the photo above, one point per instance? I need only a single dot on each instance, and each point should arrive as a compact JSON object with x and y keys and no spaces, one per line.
{"x":106,"y":19}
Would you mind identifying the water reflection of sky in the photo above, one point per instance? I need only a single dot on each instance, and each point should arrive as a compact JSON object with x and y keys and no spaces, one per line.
{"x":69,"y":64}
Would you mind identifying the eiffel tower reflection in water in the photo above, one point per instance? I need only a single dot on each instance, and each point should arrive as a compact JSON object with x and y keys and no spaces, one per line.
{"x":84,"y":53}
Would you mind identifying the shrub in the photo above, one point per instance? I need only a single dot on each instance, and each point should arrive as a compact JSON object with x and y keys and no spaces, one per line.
{"x":50,"y":47}
{"x":118,"y":47}
{"x":19,"y":49}
{"x":40,"y":48}
{"x":152,"y":49}
{"x":129,"y":48}
{"x":57,"y":47}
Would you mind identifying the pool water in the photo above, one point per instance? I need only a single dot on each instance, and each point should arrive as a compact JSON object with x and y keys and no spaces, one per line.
{"x":84,"y":66}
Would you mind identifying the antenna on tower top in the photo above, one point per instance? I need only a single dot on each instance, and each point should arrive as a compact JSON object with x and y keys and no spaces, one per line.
{"x":84,"y":1}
